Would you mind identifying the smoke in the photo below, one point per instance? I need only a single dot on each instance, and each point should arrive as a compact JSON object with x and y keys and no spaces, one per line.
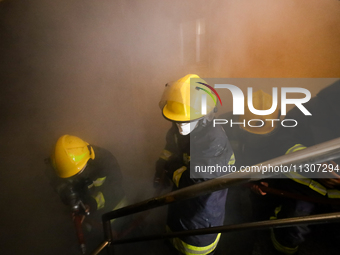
{"x":275,"y":39}
{"x":97,"y":70}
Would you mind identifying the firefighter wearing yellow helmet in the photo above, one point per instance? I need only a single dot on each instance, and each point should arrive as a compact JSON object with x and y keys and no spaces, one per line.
{"x":192,"y":141}
{"x":181,"y":101}
{"x":86,"y":177}
{"x":71,"y":155}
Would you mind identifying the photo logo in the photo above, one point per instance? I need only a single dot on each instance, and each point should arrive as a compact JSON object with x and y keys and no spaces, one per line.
{"x":240,"y":102}
{"x":204,"y":96}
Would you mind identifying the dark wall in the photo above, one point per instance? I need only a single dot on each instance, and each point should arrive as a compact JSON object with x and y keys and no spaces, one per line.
{"x":94,"y":69}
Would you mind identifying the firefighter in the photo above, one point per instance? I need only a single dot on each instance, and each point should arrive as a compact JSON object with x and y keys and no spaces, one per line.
{"x":87,"y":178}
{"x":252,"y":144}
{"x":322,"y":126}
{"x":255,"y":143}
{"x":192,"y":141}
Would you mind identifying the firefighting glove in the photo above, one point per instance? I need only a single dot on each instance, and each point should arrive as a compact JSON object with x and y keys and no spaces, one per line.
{"x":70,"y":197}
{"x":160,"y":180}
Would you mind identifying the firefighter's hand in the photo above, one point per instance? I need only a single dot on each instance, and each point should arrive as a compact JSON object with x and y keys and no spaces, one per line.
{"x":160,"y":180}
{"x":70,"y":197}
{"x":256,"y":189}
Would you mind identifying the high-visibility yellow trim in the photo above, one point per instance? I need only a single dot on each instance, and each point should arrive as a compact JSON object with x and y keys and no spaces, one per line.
{"x":121,"y":203}
{"x":99,"y":197}
{"x":186,"y":158}
{"x":277,"y":210}
{"x":296,"y":147}
{"x":314,"y":185}
{"x":177,"y":175}
{"x":232,"y":160}
{"x":188,"y":249}
{"x":317,"y":187}
{"x":77,"y":158}
{"x":165,"y":155}
{"x":99,"y":182}
{"x":333,"y":193}
{"x":281,"y":248}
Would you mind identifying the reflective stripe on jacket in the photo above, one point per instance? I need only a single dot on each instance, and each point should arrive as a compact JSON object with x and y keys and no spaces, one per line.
{"x":314,"y":185}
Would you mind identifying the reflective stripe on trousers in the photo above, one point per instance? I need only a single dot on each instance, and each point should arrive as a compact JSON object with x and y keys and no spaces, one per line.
{"x":279,"y":247}
{"x":188,"y":249}
{"x":121,"y":203}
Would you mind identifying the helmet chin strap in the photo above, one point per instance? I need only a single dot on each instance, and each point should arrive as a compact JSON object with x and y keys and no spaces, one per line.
{"x":203,"y":122}
{"x":207,"y":118}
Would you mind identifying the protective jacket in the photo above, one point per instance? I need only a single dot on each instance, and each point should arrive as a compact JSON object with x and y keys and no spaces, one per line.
{"x":205,"y":146}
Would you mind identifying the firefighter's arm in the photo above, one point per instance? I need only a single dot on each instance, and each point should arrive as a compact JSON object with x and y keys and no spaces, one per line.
{"x":98,"y":192}
{"x":168,"y":155}
{"x":328,"y":178}
{"x":104,"y":187}
{"x":213,"y":154}
{"x":93,"y":195}
{"x":71,"y":197}
{"x":174,"y":170}
{"x":160,"y":179}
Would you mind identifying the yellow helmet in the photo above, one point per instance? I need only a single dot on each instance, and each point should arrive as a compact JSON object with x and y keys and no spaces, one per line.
{"x":182,"y":100}
{"x":71,"y":155}
{"x":261,"y":101}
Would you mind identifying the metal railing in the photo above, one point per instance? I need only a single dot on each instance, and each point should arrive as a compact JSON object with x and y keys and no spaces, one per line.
{"x":316,"y":154}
